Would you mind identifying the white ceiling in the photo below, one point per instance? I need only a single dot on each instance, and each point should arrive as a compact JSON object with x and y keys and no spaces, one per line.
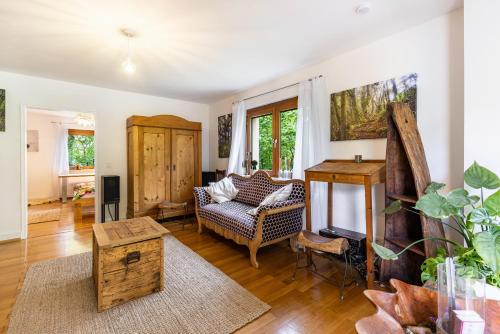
{"x":198,"y":50}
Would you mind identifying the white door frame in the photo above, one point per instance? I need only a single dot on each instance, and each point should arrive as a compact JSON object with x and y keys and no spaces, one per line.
{"x":24,"y":167}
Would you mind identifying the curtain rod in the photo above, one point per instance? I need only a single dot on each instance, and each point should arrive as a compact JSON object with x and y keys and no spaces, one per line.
{"x":275,"y":90}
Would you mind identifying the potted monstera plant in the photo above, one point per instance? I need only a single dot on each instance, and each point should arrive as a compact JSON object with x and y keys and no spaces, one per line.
{"x":474,"y":217}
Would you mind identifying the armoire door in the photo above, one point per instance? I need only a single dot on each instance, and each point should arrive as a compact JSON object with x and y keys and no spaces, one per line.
{"x":154,"y":167}
{"x":184,"y":160}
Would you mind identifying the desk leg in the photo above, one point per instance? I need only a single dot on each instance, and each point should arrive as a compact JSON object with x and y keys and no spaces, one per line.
{"x":64,"y":189}
{"x":308,"y":203}
{"x":308,"y":214}
{"x":369,"y":233}
{"x":330,"y":205}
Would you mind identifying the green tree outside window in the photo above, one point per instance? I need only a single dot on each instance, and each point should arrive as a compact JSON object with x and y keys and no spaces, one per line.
{"x":81,"y":150}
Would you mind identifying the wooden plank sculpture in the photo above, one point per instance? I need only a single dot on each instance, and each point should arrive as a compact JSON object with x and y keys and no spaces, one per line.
{"x":412,"y":307}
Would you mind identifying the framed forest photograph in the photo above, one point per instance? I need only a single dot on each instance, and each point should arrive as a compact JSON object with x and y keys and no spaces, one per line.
{"x":225,"y":128}
{"x":2,"y":110}
{"x":360,"y":113}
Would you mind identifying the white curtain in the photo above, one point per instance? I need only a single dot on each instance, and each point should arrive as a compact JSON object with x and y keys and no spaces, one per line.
{"x":311,"y":142}
{"x":237,"y":153}
{"x":61,"y":159}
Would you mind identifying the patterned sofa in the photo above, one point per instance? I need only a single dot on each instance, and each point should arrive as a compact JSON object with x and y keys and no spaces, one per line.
{"x":273,"y":223}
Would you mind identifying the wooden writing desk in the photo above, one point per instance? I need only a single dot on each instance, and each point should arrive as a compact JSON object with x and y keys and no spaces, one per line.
{"x":366,"y":173}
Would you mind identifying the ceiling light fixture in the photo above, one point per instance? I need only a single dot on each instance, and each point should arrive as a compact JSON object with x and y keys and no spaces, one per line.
{"x":85,"y":120}
{"x":363,"y":8}
{"x":128,"y":65}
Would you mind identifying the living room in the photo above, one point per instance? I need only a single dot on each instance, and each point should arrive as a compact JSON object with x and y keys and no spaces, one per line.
{"x":249,"y":152}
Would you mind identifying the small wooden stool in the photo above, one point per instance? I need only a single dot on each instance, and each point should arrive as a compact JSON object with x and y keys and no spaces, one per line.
{"x":324,"y":247}
{"x":166,"y":206}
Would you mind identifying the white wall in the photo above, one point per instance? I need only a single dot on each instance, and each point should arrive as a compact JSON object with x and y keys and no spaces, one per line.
{"x":482,"y":73}
{"x":40,"y":164}
{"x":111,"y":109}
{"x":434,"y":50}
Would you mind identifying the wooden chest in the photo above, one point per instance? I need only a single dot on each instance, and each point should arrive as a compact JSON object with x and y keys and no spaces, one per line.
{"x":127,"y":260}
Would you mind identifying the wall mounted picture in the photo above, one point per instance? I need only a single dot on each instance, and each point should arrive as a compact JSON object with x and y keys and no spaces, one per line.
{"x":360,"y":113}
{"x":225,"y":127}
{"x":32,"y":140}
{"x":2,"y":110}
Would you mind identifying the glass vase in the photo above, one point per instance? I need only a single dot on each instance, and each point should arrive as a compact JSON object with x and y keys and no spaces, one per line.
{"x":462,"y":289}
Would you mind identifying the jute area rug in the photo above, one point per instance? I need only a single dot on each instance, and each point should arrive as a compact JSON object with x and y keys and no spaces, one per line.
{"x":58,"y":297}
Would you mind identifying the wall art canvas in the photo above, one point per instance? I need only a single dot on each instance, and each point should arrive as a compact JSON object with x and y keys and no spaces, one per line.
{"x":32,"y":140}
{"x":2,"y":110}
{"x":225,"y":128}
{"x":360,"y":113}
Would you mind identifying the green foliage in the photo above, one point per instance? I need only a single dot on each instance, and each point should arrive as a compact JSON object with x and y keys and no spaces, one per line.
{"x":487,"y":245}
{"x":434,"y":186}
{"x":288,"y":122}
{"x":481,"y":254}
{"x":81,"y":150}
{"x":492,"y":204}
{"x":266,"y":142}
{"x":478,"y":177}
{"x":429,"y":266}
{"x":393,"y":207}
{"x":384,"y":253}
{"x":435,"y":206}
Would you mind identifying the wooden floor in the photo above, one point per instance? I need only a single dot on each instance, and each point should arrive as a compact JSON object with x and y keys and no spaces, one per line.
{"x":306,"y":305}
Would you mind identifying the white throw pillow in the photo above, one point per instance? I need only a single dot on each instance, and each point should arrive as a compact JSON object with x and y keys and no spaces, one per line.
{"x":222,"y":191}
{"x":279,"y":195}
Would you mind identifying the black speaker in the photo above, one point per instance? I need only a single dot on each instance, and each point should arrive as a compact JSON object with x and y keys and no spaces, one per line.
{"x":207,"y":177}
{"x":110,"y":185}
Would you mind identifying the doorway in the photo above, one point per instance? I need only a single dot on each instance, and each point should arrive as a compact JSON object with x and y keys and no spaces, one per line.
{"x":59,"y":161}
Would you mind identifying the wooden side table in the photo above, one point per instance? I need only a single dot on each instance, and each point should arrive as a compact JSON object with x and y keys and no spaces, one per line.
{"x":127,"y":260}
{"x":366,"y":173}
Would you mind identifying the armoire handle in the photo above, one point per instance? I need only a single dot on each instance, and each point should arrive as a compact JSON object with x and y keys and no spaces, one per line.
{"x":173,"y":168}
{"x":168,"y":168}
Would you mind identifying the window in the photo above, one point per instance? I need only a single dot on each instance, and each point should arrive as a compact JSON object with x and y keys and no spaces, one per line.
{"x":81,"y":148}
{"x":271,"y":135}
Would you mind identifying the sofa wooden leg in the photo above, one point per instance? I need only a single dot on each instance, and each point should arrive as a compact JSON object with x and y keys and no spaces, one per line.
{"x":200,"y":226}
{"x":253,"y":255}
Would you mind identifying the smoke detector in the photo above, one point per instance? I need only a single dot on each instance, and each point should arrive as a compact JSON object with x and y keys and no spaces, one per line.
{"x":363,"y":8}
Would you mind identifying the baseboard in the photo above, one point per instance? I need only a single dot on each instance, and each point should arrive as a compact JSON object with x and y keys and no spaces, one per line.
{"x":9,"y":237}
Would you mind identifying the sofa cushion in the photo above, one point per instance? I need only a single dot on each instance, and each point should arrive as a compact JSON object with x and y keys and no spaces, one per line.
{"x":222,"y":191}
{"x":279,"y":195}
{"x":232,"y":216}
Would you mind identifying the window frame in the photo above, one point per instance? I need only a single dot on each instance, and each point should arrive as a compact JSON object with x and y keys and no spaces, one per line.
{"x":81,"y":132}
{"x":275,"y":109}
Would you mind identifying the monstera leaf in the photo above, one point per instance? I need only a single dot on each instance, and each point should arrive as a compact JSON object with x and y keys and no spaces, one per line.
{"x":477,"y":177}
{"x":487,"y":245}
{"x":435,"y":206}
{"x":492,"y":204}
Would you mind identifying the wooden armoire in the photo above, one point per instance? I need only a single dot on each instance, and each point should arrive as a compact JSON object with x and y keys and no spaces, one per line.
{"x":164,"y":163}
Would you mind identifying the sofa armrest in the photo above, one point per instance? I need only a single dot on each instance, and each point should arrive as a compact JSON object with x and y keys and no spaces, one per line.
{"x":280,"y":207}
{"x":201,"y":197}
